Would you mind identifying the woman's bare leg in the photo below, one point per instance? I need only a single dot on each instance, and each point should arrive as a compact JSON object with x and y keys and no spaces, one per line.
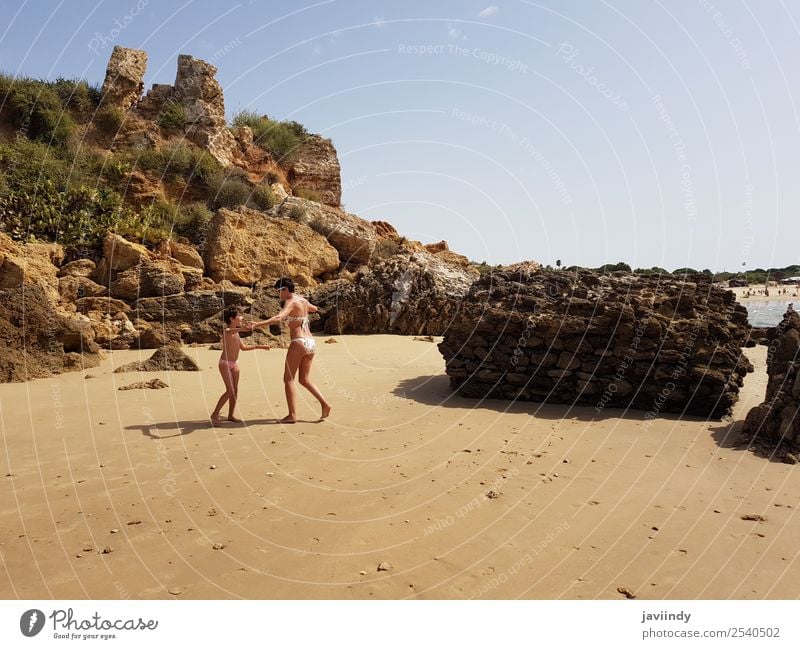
{"x":293,"y":356}
{"x":305,"y":381}
{"x":229,"y":391}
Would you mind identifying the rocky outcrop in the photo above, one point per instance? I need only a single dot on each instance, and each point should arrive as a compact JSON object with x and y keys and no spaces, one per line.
{"x":38,"y":336}
{"x":774,"y":426}
{"x":188,"y":308}
{"x":410,"y":294}
{"x":354,"y":238}
{"x":165,"y":359}
{"x":183,"y":253}
{"x":77,"y":268}
{"x":150,"y":279}
{"x":246,"y":246}
{"x":118,"y":254}
{"x":652,"y":344}
{"x":124,"y":82}
{"x":196,"y":91}
{"x":74,"y":287}
{"x":199,"y":92}
{"x":316,"y":169}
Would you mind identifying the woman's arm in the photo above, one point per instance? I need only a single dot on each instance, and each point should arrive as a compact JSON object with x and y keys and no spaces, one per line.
{"x":274,"y":319}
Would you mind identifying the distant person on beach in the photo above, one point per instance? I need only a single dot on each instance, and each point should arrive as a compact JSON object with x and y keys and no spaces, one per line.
{"x":229,"y":362}
{"x":302,"y":347}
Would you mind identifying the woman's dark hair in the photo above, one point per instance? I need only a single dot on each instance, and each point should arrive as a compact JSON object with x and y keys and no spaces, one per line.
{"x":229,"y":314}
{"x":285,"y":281}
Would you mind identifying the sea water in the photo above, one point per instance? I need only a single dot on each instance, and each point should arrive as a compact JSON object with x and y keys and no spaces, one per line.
{"x":765,"y":313}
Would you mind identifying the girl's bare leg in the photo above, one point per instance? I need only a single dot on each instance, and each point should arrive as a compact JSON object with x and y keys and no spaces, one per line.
{"x":229,"y":390}
{"x":235,"y":397}
{"x":305,"y":381}
{"x":293,"y":357}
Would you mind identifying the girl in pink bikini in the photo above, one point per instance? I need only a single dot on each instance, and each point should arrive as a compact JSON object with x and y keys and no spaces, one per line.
{"x":229,"y":362}
{"x":300,"y":355}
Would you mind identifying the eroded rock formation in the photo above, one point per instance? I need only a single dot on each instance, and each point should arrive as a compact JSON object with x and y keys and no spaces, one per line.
{"x":410,"y":293}
{"x":775,"y":424}
{"x":124,"y":81}
{"x":246,"y":246}
{"x":316,"y":169}
{"x":38,"y":335}
{"x":199,"y":92}
{"x":653,"y":344}
{"x":354,"y":238}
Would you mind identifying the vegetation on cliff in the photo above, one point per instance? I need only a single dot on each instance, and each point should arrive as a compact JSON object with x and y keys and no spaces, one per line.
{"x":67,"y":174}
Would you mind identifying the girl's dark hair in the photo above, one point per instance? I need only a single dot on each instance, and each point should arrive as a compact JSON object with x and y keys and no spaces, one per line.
{"x":285,"y":281}
{"x":229,"y":314}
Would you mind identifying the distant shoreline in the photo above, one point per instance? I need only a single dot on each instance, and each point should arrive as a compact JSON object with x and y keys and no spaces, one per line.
{"x":792,"y":294}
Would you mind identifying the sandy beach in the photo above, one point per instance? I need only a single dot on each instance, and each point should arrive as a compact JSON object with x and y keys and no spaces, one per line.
{"x":456,"y":498}
{"x":790,"y":296}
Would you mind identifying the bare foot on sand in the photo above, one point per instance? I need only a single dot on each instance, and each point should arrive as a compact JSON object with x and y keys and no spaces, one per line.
{"x":326,"y":410}
{"x":288,"y":419}
{"x":216,"y":421}
{"x":235,"y":420}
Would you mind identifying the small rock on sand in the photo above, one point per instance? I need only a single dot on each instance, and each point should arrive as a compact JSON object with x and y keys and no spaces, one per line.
{"x":383,"y":565}
{"x":492,"y":494}
{"x":331,"y":341}
{"x":152,"y":384}
{"x":218,"y":546}
{"x":163,"y":359}
{"x":627,"y":592}
{"x":176,"y":590}
{"x":754,"y":517}
{"x":424,"y":339}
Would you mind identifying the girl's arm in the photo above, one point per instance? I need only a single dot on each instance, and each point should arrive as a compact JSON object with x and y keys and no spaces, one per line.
{"x":249,"y":348}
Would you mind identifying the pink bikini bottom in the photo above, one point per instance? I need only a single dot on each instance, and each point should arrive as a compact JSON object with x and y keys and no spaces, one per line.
{"x":231,"y":365}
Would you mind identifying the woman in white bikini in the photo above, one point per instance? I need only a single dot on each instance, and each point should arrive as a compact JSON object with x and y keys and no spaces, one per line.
{"x":300,"y":355}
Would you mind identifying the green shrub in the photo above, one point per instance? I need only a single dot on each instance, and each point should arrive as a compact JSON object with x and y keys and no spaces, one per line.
{"x":281,"y":139}
{"x":108,"y":121}
{"x":296,"y":213}
{"x":75,"y":216}
{"x":172,"y":118}
{"x":262,"y":198}
{"x":149,"y":225}
{"x":179,"y":160}
{"x":228,"y":191}
{"x":76,"y":95}
{"x":193,"y":221}
{"x":27,"y":164}
{"x":36,"y":111}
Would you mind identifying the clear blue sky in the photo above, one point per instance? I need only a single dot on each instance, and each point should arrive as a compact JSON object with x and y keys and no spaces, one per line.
{"x":656,"y":133}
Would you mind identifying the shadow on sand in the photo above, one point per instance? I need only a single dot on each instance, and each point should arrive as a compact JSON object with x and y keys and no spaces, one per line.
{"x":729,"y":435}
{"x":168,"y":429}
{"x":435,"y":390}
